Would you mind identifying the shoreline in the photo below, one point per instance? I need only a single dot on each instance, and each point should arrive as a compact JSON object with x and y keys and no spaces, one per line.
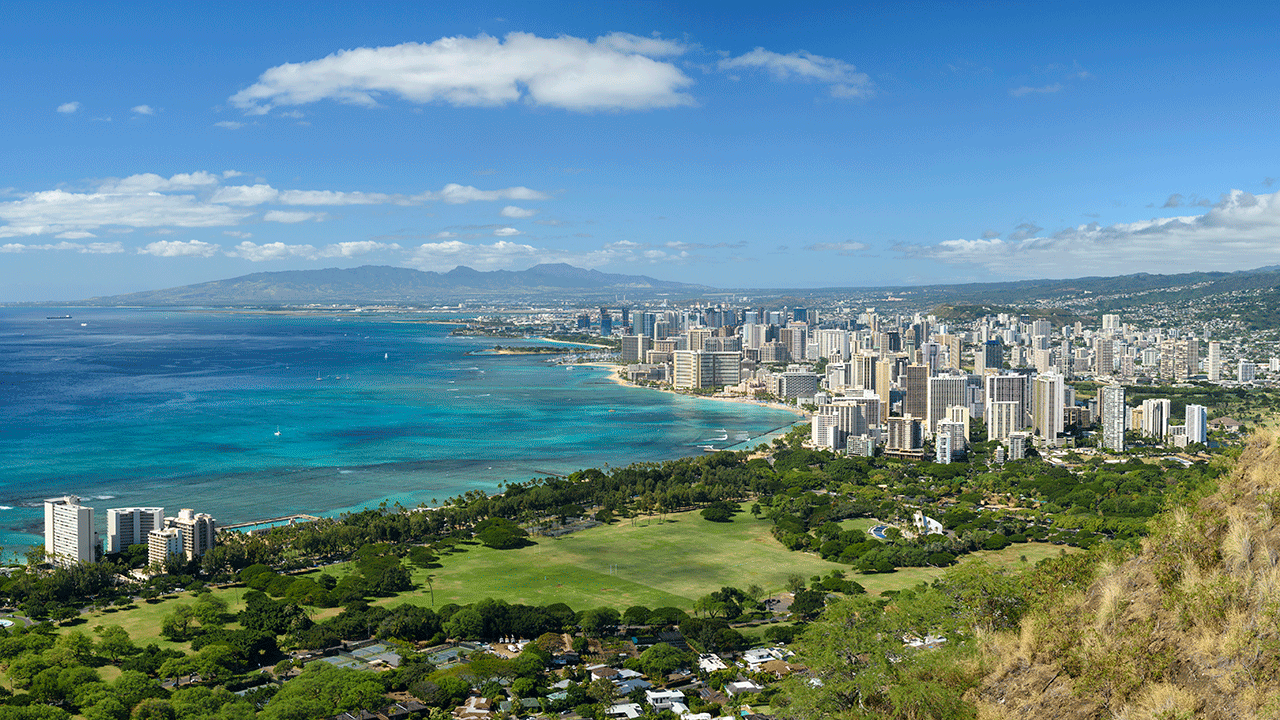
{"x":617,"y":378}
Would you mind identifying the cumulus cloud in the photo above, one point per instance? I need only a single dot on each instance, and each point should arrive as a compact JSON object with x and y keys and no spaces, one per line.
{"x":68,"y":108}
{"x":144,"y":110}
{"x":98,"y":248}
{"x":177,"y":248}
{"x":356,"y":248}
{"x":452,"y":253}
{"x":843,"y":80}
{"x":245,"y":195}
{"x":512,"y":211}
{"x":131,"y":202}
{"x":270,"y":251}
{"x":237,"y":234}
{"x":1042,"y":90}
{"x":1239,"y":231}
{"x":506,"y":232}
{"x":615,"y":72}
{"x":455,"y":194}
{"x":291,"y":216}
{"x":845,"y":248}
{"x":74,"y":235}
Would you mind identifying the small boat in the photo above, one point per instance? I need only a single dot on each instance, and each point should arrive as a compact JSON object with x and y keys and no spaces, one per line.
{"x":277,"y":431}
{"x":58,"y":317}
{"x":385,"y":355}
{"x":84,"y":324}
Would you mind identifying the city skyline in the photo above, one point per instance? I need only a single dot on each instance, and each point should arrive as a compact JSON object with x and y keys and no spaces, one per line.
{"x":825,"y":147}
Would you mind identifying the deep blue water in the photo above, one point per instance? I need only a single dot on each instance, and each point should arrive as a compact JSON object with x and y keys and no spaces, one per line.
{"x":181,"y":408}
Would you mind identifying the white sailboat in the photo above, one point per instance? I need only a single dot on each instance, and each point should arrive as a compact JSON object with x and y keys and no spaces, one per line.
{"x":277,"y":431}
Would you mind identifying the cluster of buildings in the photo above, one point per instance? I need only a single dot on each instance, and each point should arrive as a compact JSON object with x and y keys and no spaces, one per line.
{"x":71,"y":534}
{"x":899,"y":382}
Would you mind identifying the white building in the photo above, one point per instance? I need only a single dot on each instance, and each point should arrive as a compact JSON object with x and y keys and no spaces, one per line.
{"x":1246,"y":371}
{"x":1155,"y":417}
{"x":1113,"y":414}
{"x":1213,"y":364}
{"x":69,"y":535}
{"x":162,"y":544}
{"x":1046,"y":405}
{"x":129,"y":526}
{"x":1003,"y":417}
{"x":1197,"y":419}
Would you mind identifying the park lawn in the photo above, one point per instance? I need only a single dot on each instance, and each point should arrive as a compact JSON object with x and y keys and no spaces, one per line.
{"x":143,"y":621}
{"x":864,"y":524}
{"x":650,"y":562}
{"x":1006,"y":559}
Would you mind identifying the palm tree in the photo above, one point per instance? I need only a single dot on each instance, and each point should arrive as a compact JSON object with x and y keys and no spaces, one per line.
{"x":432,"y":589}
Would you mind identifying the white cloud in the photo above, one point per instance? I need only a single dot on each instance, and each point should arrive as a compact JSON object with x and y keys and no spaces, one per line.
{"x":68,"y":108}
{"x":512,"y":211}
{"x":506,"y":232}
{"x":356,"y":248}
{"x":289,"y":216}
{"x":615,"y":72}
{"x":177,"y":248}
{"x":144,"y":110}
{"x":452,"y":253}
{"x":229,"y":124}
{"x":455,"y":194}
{"x":74,"y":235}
{"x":125,"y":202}
{"x":843,"y":80}
{"x":150,"y":182}
{"x":1042,"y":90}
{"x":98,"y":248}
{"x":237,"y":234}
{"x":245,"y":195}
{"x":270,"y":251}
{"x":845,"y":248}
{"x":330,"y":197}
{"x":444,"y":235}
{"x":1239,"y":232}
{"x":231,"y":173}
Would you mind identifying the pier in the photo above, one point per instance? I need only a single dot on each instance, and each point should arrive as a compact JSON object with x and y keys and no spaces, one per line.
{"x":259,"y":526}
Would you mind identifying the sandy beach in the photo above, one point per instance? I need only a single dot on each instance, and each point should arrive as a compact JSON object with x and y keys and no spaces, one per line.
{"x":617,"y":377}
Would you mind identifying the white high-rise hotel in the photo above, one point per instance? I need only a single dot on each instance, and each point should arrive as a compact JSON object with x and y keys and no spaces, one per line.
{"x":69,"y":536}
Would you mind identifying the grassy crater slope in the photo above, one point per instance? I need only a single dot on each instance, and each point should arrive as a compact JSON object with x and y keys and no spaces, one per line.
{"x":1188,"y":628}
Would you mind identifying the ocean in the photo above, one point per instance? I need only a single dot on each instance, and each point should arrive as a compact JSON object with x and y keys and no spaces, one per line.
{"x":249,"y":416}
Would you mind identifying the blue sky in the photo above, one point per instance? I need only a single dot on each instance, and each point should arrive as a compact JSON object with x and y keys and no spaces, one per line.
{"x":153,"y":145}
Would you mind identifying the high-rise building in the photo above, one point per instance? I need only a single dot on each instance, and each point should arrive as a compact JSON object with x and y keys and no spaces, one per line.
{"x":916,"y":386}
{"x":942,"y":449}
{"x":955,"y":434}
{"x":1103,"y":356}
{"x":960,"y":414}
{"x":606,"y":323}
{"x":163,"y":543}
{"x":944,"y":392}
{"x":993,"y":355}
{"x":199,"y":531}
{"x":1010,"y":388}
{"x":1197,"y":423}
{"x":1213,"y":364}
{"x":1155,"y":417}
{"x":848,"y":416}
{"x":1246,"y":371}
{"x":1003,"y":417}
{"x":1018,"y":445}
{"x":884,"y":388}
{"x":797,"y":384}
{"x":1046,"y":406}
{"x":1110,"y":322}
{"x":1113,"y":417}
{"x":634,"y":347}
{"x":904,"y":434}
{"x":701,"y":369}
{"x":69,"y":535}
{"x":129,"y":526}
{"x":833,"y":342}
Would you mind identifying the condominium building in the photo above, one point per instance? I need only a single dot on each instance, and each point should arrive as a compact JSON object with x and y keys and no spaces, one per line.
{"x":69,"y":535}
{"x":199,"y":531}
{"x":701,"y":369}
{"x":1046,"y":405}
{"x":1155,"y":417}
{"x":1003,"y":417}
{"x":1197,"y":423}
{"x":1213,"y":364}
{"x":944,"y":391}
{"x":1113,"y":417}
{"x":162,"y":544}
{"x":129,"y":526}
{"x":916,"y":385}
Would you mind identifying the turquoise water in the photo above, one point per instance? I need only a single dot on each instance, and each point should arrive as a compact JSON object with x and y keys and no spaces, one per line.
{"x":180,"y":409}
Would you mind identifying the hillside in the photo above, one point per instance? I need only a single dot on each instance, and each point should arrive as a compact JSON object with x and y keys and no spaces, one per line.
{"x":392,"y":285}
{"x":1187,"y":628}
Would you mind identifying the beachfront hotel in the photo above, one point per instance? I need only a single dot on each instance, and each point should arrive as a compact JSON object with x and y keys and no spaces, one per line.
{"x":69,"y":535}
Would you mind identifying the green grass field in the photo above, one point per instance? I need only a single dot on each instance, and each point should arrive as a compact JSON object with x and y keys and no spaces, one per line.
{"x":650,"y":563}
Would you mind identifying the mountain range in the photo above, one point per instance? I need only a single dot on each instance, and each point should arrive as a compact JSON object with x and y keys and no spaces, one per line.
{"x":377,"y":284}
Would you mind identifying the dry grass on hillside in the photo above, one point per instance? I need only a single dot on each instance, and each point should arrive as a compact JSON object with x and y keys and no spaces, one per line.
{"x":1189,"y":628}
